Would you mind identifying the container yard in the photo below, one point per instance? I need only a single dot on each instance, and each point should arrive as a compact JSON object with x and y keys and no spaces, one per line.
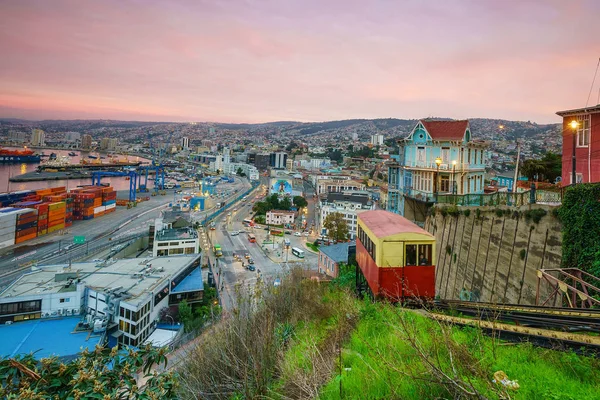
{"x":28,"y":214}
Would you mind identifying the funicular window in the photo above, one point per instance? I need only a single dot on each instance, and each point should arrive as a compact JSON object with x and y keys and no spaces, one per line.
{"x":425,"y":257}
{"x":411,"y":254}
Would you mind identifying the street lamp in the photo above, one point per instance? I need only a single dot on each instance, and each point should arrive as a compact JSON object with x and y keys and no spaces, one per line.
{"x":574,"y":125}
{"x":438,"y":162}
{"x":454,"y":191}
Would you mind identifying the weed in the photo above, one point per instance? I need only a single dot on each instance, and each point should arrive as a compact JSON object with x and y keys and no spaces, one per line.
{"x":522,"y":254}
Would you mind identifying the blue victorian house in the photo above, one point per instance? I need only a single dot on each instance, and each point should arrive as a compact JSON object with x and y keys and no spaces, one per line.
{"x":437,"y":158}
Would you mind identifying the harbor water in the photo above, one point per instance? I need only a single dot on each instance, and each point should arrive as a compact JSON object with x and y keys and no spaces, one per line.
{"x":11,"y":170}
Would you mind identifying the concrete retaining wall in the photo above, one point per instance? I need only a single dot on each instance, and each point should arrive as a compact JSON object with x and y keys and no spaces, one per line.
{"x":493,"y":258}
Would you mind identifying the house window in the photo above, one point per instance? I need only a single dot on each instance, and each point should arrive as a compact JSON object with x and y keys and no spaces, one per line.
{"x":444,"y":184}
{"x":421,"y":154}
{"x":446,"y":155}
{"x":583,"y":130}
{"x":469,"y":156}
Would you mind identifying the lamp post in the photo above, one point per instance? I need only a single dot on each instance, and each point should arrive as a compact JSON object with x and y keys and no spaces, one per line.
{"x":454,"y":191}
{"x":438,"y":162}
{"x":574,"y":124}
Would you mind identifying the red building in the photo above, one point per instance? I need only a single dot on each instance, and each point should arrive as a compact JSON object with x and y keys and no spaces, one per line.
{"x":587,"y":144}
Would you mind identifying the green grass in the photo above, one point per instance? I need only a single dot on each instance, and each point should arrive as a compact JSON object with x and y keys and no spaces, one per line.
{"x":313,"y":247}
{"x":380,"y":363}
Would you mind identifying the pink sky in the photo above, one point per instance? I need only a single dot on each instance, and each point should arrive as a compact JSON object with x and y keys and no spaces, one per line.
{"x":305,"y":60}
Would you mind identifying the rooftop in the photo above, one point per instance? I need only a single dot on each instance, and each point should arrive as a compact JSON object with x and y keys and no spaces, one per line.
{"x":139,"y":276}
{"x":384,"y":223}
{"x":176,"y":234}
{"x":446,"y":130}
{"x":46,"y":337}
{"x":337,"y":252}
{"x":590,"y":109}
{"x":190,"y":283}
{"x":280,"y":212}
{"x":353,"y":198}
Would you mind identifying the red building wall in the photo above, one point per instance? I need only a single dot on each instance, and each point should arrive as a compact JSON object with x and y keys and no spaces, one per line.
{"x":587,"y":158}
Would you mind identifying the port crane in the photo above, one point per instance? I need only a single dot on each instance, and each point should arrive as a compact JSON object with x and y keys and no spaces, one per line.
{"x":98,"y":175}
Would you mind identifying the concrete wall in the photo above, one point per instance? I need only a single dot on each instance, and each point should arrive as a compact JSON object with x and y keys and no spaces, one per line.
{"x":483,"y":255}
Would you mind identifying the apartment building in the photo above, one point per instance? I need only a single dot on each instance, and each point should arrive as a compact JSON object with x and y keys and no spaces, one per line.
{"x":348,"y":205}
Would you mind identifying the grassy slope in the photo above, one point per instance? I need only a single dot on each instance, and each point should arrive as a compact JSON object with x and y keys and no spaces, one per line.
{"x":378,"y":356}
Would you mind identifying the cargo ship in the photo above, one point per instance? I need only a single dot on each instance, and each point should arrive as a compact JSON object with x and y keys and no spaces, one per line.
{"x":8,"y":156}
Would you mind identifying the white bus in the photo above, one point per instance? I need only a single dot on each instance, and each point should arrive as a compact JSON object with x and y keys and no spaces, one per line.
{"x":297,"y":252}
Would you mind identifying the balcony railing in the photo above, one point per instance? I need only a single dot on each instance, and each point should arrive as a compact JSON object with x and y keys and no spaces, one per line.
{"x":443,"y":166}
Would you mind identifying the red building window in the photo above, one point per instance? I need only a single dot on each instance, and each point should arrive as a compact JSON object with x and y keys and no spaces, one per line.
{"x":583,"y":130}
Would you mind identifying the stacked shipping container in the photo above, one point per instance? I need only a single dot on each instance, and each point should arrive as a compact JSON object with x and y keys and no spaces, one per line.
{"x":26,"y":227}
{"x":17,"y":224}
{"x":93,"y":201}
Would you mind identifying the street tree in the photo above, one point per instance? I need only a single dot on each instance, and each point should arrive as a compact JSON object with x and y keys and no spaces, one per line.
{"x":300,"y":201}
{"x":337,"y":228}
{"x":285,"y":204}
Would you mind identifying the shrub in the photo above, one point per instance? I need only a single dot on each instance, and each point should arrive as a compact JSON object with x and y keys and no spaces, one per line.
{"x":448,"y":249}
{"x":522,"y":254}
{"x":535,"y":215}
{"x":499,"y":212}
{"x":477,"y":213}
{"x":467,"y":212}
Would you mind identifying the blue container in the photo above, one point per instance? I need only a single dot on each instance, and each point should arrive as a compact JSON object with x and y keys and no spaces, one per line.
{"x":88,"y":217}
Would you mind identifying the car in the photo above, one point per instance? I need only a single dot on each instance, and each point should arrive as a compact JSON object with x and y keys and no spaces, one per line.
{"x":266,"y":228}
{"x":235,"y":256}
{"x":288,"y":232}
{"x":305,"y":233}
{"x":251,"y":267}
{"x":250,"y":261}
{"x":234,"y":233}
{"x":247,"y":255}
{"x":299,"y":234}
{"x":229,"y":214}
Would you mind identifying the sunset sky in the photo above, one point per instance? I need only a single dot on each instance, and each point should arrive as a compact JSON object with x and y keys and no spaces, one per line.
{"x":305,"y":60}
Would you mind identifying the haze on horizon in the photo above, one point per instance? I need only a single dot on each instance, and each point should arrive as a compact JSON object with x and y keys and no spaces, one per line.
{"x":309,"y":60}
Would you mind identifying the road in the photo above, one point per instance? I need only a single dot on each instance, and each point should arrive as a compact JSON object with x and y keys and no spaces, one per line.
{"x":269,"y":259}
{"x":121,"y":224}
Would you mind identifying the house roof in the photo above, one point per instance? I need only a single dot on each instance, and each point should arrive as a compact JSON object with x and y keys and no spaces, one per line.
{"x":337,"y":252}
{"x":353,"y":198}
{"x":591,"y":109}
{"x":384,"y":223}
{"x":446,"y":130}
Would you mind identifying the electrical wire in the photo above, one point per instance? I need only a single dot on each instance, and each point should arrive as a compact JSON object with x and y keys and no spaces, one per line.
{"x":593,"y":81}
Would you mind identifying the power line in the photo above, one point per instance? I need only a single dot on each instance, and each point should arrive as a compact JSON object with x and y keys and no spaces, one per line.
{"x":593,"y":81}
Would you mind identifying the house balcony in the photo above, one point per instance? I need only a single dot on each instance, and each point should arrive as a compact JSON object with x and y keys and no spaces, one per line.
{"x":432,"y":166}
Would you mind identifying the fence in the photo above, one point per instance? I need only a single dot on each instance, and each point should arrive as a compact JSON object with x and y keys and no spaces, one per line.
{"x":503,"y":198}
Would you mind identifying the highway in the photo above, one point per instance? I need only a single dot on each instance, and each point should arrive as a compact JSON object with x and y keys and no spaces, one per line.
{"x":101,"y":233}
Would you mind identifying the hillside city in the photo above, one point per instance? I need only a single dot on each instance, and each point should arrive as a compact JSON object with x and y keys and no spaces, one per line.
{"x":299,"y":200}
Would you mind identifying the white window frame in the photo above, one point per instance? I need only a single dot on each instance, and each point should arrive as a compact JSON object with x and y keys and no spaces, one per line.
{"x":421,"y":154}
{"x":583,"y":130}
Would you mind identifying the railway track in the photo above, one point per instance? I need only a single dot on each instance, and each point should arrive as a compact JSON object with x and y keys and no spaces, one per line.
{"x":557,"y":328}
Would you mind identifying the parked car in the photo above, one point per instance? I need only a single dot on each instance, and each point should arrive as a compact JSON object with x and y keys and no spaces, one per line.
{"x":299,"y":234}
{"x":288,"y":232}
{"x":247,"y":255}
{"x":250,"y":261}
{"x":306,"y":234}
{"x":251,"y":268}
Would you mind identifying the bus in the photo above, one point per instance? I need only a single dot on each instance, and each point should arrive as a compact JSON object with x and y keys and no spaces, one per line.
{"x":217,"y":250}
{"x":248,"y":222}
{"x":297,"y":252}
{"x":251,"y":238}
{"x":276,"y":232}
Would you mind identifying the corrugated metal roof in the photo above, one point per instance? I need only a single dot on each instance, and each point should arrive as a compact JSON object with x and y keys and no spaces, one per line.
{"x":384,"y":223}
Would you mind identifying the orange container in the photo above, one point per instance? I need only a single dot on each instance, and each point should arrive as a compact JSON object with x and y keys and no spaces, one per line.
{"x":26,"y":232}
{"x":55,"y":220}
{"x":25,"y":238}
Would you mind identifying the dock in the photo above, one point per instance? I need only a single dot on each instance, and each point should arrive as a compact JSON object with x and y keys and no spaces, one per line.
{"x":50,"y":176}
{"x":89,"y":166}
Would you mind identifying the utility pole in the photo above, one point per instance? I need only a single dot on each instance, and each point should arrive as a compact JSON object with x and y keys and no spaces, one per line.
{"x":514,"y":188}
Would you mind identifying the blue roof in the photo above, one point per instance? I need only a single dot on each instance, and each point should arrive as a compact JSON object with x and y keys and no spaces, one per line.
{"x":190,"y":283}
{"x":50,"y":336}
{"x":337,"y":252}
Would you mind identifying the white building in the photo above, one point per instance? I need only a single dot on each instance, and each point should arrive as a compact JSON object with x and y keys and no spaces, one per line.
{"x":280,"y":217}
{"x":250,"y":170}
{"x":226,"y":155}
{"x":38,"y":137}
{"x":185,"y":142}
{"x":354,"y":136}
{"x":173,"y":241}
{"x":349,"y":205}
{"x":337,"y":185}
{"x":377,"y":140}
{"x":123,"y":298}
{"x":72,"y":136}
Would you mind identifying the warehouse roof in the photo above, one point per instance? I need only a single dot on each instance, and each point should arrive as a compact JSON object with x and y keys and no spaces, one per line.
{"x":384,"y":223}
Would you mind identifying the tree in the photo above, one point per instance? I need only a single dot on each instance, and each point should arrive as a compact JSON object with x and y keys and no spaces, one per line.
{"x":102,"y":373}
{"x":285,"y":204}
{"x":337,"y":228}
{"x":239,"y":171}
{"x":380,"y":176}
{"x":300,"y":201}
